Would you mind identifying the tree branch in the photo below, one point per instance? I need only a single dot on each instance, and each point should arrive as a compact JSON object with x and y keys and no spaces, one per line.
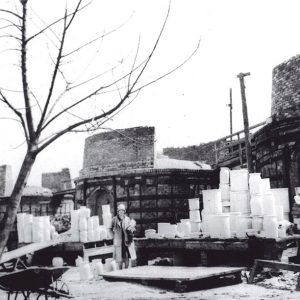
{"x":57,"y":21}
{"x":29,"y":118}
{"x":56,"y":68}
{"x":11,"y":13}
{"x":4,"y":99}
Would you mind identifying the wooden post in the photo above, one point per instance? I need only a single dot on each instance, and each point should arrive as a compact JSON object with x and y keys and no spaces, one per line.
{"x":246,"y":122}
{"x":230,"y":111}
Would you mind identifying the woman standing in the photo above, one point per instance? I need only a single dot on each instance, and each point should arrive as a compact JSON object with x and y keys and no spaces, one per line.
{"x":122,"y":229}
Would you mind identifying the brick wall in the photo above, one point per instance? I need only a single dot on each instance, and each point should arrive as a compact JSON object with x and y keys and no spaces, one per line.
{"x":6,"y":182}
{"x":125,"y":149}
{"x":204,"y":152}
{"x":57,"y":181}
{"x":286,"y":89}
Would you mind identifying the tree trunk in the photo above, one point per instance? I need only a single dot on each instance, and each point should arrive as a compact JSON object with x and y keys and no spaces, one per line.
{"x":8,"y":220}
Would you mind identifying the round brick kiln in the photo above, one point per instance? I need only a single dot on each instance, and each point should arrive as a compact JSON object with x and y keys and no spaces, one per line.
{"x":286,"y":89}
{"x":120,"y":167}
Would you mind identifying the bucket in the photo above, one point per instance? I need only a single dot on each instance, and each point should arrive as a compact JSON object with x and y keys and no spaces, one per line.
{"x":257,"y":223}
{"x":243,"y":223}
{"x":224,"y":175}
{"x":194,"y":204}
{"x":270,"y":225}
{"x":240,"y":201}
{"x":108,"y":264}
{"x":85,"y":271}
{"x":99,"y":268}
{"x":225,"y":191}
{"x":212,"y":201}
{"x":57,"y":262}
{"x":239,"y":180}
{"x":269,"y":204}
{"x":195,"y":216}
{"x":281,"y":196}
{"x":256,"y":205}
{"x":78,"y":261}
{"x":255,"y":184}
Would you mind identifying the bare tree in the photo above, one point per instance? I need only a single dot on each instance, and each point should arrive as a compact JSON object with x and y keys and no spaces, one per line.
{"x":63,"y":108}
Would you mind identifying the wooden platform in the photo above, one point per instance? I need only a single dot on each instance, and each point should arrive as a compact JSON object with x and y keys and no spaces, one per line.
{"x":208,"y":251}
{"x":180,"y":279}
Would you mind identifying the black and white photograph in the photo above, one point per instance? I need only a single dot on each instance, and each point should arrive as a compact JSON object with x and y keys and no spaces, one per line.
{"x":149,"y":149}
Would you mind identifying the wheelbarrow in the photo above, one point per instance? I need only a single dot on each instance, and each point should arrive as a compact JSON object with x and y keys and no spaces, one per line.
{"x":35,"y":283}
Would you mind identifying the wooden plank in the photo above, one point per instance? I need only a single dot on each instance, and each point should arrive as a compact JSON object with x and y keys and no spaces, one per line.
{"x":171,"y":273}
{"x":7,"y":256}
{"x":279,"y":265}
{"x":104,"y":250}
{"x":219,"y":245}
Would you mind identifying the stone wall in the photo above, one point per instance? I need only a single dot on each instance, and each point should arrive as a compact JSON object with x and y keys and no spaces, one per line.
{"x":286,"y":89}
{"x":57,"y":181}
{"x":124,"y":149}
{"x":6,"y":182}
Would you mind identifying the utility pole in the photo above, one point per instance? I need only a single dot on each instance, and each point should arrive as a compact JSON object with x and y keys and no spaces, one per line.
{"x":230,"y":111}
{"x":246,"y":122}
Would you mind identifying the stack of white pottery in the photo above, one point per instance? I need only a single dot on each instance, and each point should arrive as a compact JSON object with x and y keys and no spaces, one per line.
{"x":106,"y":216}
{"x":225,"y":188}
{"x":240,"y":218}
{"x":273,"y":211}
{"x":281,"y":196}
{"x":239,"y":191}
{"x":258,"y":188}
{"x":194,"y":212}
{"x":215,"y":222}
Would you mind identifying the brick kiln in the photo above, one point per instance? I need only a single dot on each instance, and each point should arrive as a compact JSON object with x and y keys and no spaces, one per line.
{"x":121,"y":167}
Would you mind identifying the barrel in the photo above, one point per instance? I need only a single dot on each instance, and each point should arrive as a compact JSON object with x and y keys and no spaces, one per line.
{"x":232,"y":217}
{"x":194,"y":204}
{"x":255,"y":184}
{"x":222,"y":222}
{"x":225,"y":191}
{"x":195,"y":216}
{"x":257,"y":223}
{"x":224,"y":175}
{"x":243,"y":223}
{"x":256,"y":204}
{"x":239,"y":180}
{"x":240,"y":201}
{"x":269,"y":207}
{"x":281,"y":196}
{"x":212,"y":201}
{"x":270,"y":225}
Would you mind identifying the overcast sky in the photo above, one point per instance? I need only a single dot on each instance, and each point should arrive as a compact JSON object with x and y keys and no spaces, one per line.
{"x":189,"y":106}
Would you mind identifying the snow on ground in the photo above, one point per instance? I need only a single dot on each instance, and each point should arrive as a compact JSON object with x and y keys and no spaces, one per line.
{"x":101,"y":289}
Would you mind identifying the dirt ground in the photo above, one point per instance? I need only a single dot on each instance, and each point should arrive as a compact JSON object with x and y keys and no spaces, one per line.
{"x":282,"y":287}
